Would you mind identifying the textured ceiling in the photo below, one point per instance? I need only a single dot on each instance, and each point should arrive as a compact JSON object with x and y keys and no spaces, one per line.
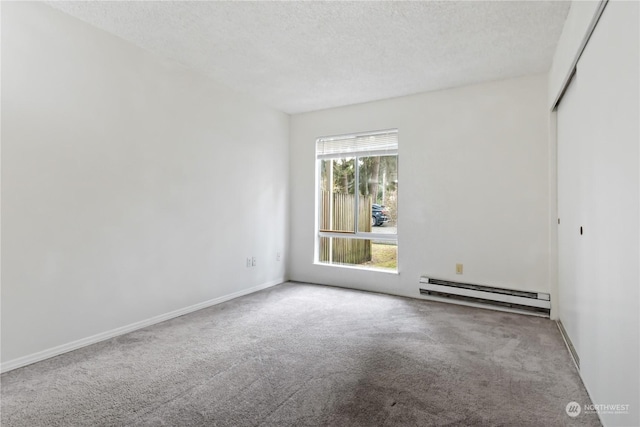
{"x":305,"y":56}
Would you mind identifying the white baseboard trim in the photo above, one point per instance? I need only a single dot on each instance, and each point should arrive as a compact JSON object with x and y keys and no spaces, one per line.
{"x":74,"y":345}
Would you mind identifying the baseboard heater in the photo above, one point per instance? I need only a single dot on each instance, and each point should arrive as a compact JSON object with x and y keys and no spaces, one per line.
{"x":534,"y":302}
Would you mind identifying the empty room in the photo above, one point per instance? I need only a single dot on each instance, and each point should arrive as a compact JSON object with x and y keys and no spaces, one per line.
{"x":310,"y":213}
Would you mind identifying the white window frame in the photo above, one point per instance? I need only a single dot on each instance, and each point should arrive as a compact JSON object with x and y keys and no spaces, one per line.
{"x":357,"y":234}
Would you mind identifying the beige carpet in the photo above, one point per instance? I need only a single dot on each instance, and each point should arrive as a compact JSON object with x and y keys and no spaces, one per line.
{"x":306,"y":355}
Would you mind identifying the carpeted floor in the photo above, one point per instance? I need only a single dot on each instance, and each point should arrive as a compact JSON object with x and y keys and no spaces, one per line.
{"x":306,"y":355}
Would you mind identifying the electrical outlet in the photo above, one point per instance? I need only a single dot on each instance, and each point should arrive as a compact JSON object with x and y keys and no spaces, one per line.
{"x":458,"y":268}
{"x":278,"y":256}
{"x":248,"y":262}
{"x":253,"y":261}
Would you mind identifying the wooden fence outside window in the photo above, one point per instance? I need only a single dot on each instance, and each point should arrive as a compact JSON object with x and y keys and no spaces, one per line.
{"x":345,"y":250}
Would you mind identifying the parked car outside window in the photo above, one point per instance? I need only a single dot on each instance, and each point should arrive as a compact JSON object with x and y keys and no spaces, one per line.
{"x":379,"y":215}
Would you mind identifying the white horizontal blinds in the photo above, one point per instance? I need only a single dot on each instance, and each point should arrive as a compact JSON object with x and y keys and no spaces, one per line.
{"x":383,"y":143}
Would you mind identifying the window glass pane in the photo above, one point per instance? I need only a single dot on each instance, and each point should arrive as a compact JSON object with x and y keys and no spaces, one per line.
{"x":378,"y":188}
{"x":337,"y":200}
{"x":359,"y":252}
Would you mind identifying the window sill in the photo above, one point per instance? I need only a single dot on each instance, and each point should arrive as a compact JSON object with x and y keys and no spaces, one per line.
{"x":355,"y":267}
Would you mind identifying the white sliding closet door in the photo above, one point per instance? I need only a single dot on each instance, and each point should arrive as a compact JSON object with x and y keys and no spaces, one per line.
{"x":572,"y":271}
{"x":598,"y":190}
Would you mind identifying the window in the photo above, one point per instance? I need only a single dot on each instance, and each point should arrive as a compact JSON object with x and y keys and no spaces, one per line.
{"x":357,"y":189}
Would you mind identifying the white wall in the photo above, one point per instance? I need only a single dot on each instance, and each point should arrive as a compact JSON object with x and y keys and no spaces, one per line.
{"x":131,"y":187}
{"x":598,"y":189}
{"x":473,"y":189}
